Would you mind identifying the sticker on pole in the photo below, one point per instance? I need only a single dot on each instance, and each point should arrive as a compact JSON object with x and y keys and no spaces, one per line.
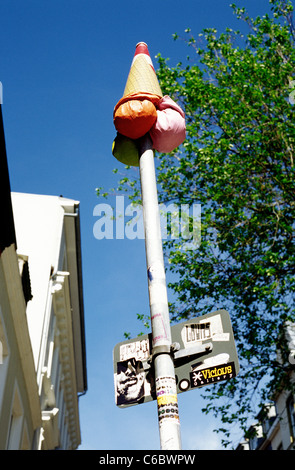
{"x":212,"y":374}
{"x":133,"y":374}
{"x":204,"y":353}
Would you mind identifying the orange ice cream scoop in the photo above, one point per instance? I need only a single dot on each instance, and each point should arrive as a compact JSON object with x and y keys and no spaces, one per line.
{"x":135,"y":117}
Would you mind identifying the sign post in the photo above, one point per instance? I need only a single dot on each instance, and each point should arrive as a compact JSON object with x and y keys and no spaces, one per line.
{"x":135,"y":114}
{"x":165,"y":383}
{"x":154,"y":367}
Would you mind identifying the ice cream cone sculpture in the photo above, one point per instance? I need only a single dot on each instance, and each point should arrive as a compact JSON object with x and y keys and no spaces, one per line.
{"x":143,"y":109}
{"x":142,"y":78}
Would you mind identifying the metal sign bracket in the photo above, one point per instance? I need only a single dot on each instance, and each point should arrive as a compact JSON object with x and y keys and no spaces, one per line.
{"x":187,"y":353}
{"x":179,"y":355}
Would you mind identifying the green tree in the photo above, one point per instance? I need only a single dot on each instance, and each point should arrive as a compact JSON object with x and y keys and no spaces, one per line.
{"x":238,"y":163}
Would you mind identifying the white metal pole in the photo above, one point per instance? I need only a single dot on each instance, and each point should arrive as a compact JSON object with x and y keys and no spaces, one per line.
{"x":168,"y":417}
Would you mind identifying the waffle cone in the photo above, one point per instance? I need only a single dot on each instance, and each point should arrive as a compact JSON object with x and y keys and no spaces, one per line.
{"x":142,"y":77}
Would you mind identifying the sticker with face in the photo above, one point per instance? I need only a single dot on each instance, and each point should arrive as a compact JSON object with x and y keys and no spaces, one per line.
{"x":129,"y":382}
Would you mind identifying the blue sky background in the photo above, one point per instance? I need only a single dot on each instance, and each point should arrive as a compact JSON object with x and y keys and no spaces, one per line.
{"x":63,"y":67}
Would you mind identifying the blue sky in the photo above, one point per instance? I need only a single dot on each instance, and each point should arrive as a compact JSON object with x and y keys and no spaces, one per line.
{"x":63,"y":67}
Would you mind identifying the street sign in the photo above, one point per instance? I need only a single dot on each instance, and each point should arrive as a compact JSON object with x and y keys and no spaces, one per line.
{"x":204,"y":353}
{"x":207,"y":352}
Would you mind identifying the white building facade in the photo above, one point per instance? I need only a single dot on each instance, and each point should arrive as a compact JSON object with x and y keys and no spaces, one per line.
{"x":276,"y":431}
{"x":42,"y":337}
{"x":48,"y":239}
{"x":20,"y":412}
